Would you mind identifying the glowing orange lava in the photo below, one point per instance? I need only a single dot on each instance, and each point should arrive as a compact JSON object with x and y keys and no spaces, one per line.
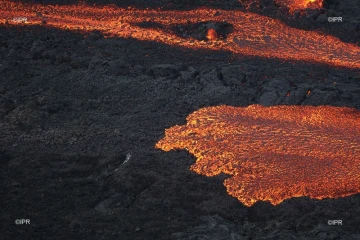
{"x":212,"y":35}
{"x":301,"y":4}
{"x":253,"y":35}
{"x":274,"y":153}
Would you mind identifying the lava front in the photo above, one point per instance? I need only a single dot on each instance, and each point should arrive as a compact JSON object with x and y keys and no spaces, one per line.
{"x":274,"y":153}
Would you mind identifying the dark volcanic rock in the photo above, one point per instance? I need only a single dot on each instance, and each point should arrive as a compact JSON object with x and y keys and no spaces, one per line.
{"x":80,"y":117}
{"x":164,"y":70}
{"x":4,"y":157}
{"x":7,"y":105}
{"x":212,"y":227}
{"x":268,"y":98}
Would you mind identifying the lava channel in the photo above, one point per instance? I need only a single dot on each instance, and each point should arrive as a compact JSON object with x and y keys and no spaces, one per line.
{"x":253,"y":34}
{"x":274,"y":153}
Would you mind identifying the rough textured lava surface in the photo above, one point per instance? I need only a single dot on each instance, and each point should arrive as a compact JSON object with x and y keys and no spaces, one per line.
{"x":252,"y":34}
{"x":301,"y":4}
{"x":274,"y":153}
{"x":87,"y":88}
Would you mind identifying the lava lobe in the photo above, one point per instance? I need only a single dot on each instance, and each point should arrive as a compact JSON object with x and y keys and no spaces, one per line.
{"x":274,"y":153}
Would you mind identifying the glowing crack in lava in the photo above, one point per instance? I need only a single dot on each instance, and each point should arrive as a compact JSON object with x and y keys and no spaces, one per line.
{"x":292,"y":5}
{"x":274,"y":153}
{"x":301,"y":4}
{"x":253,"y":34}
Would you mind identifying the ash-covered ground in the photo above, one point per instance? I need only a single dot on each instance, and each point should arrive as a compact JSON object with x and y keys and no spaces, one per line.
{"x":80,"y":116}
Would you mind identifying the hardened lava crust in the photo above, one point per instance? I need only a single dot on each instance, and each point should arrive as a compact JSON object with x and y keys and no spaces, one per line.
{"x":81,"y":110}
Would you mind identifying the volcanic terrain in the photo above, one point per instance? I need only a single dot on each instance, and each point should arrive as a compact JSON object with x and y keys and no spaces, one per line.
{"x":88,"y":89}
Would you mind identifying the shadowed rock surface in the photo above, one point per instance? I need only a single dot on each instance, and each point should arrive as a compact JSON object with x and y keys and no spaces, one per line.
{"x":80,"y":116}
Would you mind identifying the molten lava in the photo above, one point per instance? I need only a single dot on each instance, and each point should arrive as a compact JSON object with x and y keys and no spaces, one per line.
{"x":292,"y":5}
{"x":301,"y":4}
{"x":274,"y":153}
{"x":212,"y":35}
{"x":252,"y":35}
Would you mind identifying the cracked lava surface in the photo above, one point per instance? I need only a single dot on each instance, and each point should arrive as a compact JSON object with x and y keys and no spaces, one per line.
{"x":274,"y":153}
{"x":252,"y":35}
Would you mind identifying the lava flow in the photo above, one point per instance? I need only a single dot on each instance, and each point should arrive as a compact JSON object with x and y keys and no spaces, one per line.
{"x":292,"y":5}
{"x":252,"y":35}
{"x":274,"y":153}
{"x":301,"y":4}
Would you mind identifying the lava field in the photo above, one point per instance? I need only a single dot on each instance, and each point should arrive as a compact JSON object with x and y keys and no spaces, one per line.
{"x":182,"y":119}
